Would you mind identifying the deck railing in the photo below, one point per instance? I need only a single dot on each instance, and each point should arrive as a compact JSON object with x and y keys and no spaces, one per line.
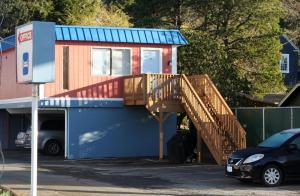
{"x":206,"y":88}
{"x":145,"y":88}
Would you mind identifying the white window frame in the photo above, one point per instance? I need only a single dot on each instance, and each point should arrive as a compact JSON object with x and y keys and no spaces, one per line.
{"x":174,"y":59}
{"x":160,"y":58}
{"x":287,"y":56}
{"x":111,"y":48}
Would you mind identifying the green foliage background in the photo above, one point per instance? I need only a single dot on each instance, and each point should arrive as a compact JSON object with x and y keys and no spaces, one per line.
{"x":235,"y":42}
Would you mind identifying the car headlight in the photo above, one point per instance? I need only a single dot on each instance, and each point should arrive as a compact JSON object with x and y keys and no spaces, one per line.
{"x":254,"y":158}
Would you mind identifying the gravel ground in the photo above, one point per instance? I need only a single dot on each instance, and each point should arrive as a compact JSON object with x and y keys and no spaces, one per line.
{"x":128,"y":177}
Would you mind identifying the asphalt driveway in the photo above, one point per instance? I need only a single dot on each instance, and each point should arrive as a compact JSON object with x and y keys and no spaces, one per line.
{"x":143,"y":176}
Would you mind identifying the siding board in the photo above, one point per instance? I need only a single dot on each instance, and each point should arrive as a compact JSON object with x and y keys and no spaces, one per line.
{"x":81,"y":82}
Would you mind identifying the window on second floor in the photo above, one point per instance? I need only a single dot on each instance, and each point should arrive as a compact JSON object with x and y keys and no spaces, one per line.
{"x":284,"y":63}
{"x":107,"y":61}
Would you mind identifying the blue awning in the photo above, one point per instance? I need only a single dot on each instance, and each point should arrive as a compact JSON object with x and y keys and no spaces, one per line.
{"x":119,"y":35}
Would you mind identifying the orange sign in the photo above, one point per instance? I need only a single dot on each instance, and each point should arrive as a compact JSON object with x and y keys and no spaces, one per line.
{"x":25,"y":36}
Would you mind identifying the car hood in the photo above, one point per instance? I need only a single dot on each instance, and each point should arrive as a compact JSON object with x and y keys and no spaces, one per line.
{"x":244,"y":153}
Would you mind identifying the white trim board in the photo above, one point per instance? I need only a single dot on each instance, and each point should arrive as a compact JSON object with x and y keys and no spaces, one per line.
{"x":29,"y":99}
{"x":16,"y":100}
{"x":288,"y":95}
{"x":82,"y":99}
{"x":291,"y":42}
{"x":174,"y":59}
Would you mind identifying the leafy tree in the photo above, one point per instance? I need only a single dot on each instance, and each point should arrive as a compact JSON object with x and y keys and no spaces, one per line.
{"x":17,"y":12}
{"x":246,"y":34}
{"x":291,"y":20}
{"x":236,"y":42}
{"x":106,"y":16}
{"x":80,"y":12}
{"x":122,"y":4}
{"x":72,"y":11}
{"x":155,"y":13}
{"x":205,"y":55}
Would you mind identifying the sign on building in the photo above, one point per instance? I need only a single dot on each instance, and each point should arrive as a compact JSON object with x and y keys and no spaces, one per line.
{"x":35,"y":52}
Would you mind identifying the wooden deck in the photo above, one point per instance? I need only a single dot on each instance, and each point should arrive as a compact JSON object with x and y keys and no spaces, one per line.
{"x":158,"y":92}
{"x":199,"y":98}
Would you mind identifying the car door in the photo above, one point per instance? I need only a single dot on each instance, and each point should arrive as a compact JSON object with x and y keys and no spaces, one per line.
{"x":292,"y":165}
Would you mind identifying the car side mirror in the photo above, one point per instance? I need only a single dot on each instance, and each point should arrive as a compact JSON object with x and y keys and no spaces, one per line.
{"x":292,"y":147}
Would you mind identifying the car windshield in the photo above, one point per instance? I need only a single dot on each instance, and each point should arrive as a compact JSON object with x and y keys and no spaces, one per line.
{"x":276,"y":140}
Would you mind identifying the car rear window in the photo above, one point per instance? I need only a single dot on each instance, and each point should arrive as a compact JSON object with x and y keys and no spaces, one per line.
{"x":53,"y":125}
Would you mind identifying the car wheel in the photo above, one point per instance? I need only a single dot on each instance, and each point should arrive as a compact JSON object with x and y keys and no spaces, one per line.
{"x":272,"y":175}
{"x":52,"y":148}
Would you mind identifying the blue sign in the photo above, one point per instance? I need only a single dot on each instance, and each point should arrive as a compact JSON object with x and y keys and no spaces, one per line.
{"x":25,"y":63}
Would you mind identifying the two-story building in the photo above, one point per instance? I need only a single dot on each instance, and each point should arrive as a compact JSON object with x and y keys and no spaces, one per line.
{"x":289,"y":61}
{"x":116,"y":88}
{"x":90,"y":65}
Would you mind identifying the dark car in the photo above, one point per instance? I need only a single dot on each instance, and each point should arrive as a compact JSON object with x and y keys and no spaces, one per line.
{"x":273,"y":161}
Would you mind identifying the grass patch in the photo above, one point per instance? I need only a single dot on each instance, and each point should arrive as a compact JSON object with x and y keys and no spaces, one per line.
{"x":5,"y":193}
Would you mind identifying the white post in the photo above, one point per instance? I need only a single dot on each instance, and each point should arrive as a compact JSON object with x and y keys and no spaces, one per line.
{"x":34,"y":138}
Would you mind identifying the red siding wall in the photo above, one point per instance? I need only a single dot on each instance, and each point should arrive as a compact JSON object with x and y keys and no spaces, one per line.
{"x":82,"y":83}
{"x":9,"y":88}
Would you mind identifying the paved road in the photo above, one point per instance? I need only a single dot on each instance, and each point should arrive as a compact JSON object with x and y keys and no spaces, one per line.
{"x":127,"y":177}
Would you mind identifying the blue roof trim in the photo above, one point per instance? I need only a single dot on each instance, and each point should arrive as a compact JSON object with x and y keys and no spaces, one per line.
{"x":7,"y":43}
{"x":111,"y":34}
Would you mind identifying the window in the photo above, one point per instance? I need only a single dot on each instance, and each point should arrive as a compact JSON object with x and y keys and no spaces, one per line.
{"x":151,"y":60}
{"x":66,"y":67}
{"x":284,"y":63}
{"x":53,"y":125}
{"x":120,"y":62}
{"x":297,"y":142}
{"x":106,"y":61}
{"x":101,"y":62}
{"x":276,"y":140}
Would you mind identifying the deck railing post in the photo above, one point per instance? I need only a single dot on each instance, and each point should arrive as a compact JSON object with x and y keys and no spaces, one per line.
{"x":199,"y":147}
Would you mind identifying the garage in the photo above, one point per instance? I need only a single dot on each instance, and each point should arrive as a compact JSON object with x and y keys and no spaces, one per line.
{"x":15,"y":126}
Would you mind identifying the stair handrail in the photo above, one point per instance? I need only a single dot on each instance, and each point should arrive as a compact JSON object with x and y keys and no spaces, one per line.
{"x":217,"y":93}
{"x":215,"y":127}
{"x":239,"y":128}
{"x":198,"y":98}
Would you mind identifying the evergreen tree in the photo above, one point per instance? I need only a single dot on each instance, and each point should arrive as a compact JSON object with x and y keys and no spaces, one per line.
{"x":79,"y":12}
{"x":156,"y":13}
{"x":72,"y":11}
{"x":246,"y":33}
{"x":291,"y":20}
{"x":17,"y":12}
{"x":237,"y":40}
